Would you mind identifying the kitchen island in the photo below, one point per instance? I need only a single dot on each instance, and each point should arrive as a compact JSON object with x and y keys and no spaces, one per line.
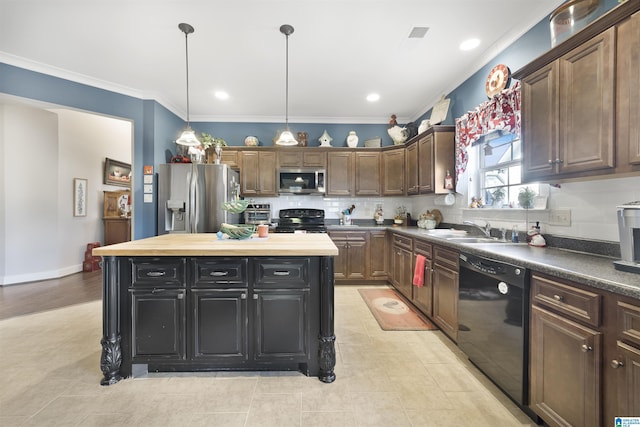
{"x":194,"y":302}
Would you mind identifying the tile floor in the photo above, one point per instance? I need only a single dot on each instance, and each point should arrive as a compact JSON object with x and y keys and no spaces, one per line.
{"x":49,"y":376}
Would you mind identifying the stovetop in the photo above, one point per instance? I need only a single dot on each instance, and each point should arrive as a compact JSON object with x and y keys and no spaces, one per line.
{"x":301,"y":219}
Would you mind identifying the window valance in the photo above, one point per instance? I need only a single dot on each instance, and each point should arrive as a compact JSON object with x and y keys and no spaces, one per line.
{"x":502,"y":112}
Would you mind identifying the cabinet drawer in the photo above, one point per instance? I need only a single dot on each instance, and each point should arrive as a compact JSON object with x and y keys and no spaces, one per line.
{"x":403,"y":241}
{"x":282,"y":272}
{"x":225,"y":271}
{"x":423,"y":248}
{"x":446,"y":258}
{"x":153,"y":272}
{"x":629,"y":322}
{"x":573,"y":302}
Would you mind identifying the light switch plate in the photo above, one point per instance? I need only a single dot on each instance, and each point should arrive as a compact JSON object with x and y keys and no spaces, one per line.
{"x":560,"y":217}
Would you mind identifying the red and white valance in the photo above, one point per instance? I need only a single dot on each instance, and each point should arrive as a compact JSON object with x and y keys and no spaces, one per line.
{"x":502,"y":112}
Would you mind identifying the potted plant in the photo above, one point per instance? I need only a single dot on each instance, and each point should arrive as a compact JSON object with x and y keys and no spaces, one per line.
{"x":401,"y":214}
{"x":498,"y":196}
{"x":525,"y":198}
{"x":208,"y":141}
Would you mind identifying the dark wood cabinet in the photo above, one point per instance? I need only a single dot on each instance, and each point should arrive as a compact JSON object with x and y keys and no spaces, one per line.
{"x":393,"y":175}
{"x":565,"y":370}
{"x":430,"y":156}
{"x":445,"y":290}
{"x":378,"y":255}
{"x":423,"y":296}
{"x":622,"y":398}
{"x":367,"y":173}
{"x":402,"y":264}
{"x":302,"y":158}
{"x":412,"y":172}
{"x":340,"y":173}
{"x":627,"y":99}
{"x":352,"y":261}
{"x":116,"y":230}
{"x":258,"y":173}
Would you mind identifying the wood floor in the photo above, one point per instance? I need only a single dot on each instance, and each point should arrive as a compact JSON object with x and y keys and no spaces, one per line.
{"x":27,"y":298}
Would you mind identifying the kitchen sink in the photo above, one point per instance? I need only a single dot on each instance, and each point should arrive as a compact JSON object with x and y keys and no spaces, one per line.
{"x":474,"y":240}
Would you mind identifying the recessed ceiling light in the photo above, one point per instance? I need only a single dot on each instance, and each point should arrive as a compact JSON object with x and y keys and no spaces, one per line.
{"x":373,"y":97}
{"x":469,"y":44}
{"x":221,"y":94}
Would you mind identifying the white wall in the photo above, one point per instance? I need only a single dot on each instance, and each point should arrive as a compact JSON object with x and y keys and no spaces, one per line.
{"x":42,"y":152}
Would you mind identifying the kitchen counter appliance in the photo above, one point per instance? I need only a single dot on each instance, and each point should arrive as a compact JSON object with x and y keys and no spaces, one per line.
{"x":301,"y":220}
{"x":493,"y":323}
{"x":301,"y":181}
{"x":629,"y":228}
{"x":257,"y":213}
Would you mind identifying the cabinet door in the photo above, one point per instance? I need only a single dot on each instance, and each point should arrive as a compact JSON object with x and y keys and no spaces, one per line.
{"x":258,"y":173}
{"x":282,"y":324}
{"x":628,"y":379}
{"x":402,"y":271}
{"x":378,"y":255}
{"x":565,"y":370}
{"x":314,"y":159}
{"x":628,"y":88}
{"x":445,"y":300}
{"x":357,"y":258}
{"x":219,"y":329}
{"x":158,"y":324}
{"x":540,"y":122}
{"x":290,"y":158}
{"x":340,"y":261}
{"x":340,"y":175}
{"x":267,"y":184}
{"x":412,"y":169}
{"x":423,"y":297}
{"x":587,"y":93}
{"x":367,"y":171}
{"x":393,"y":172}
{"x":116,"y":230}
{"x":425,"y":164}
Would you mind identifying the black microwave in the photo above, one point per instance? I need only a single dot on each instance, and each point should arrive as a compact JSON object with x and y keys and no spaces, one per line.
{"x":301,"y":181}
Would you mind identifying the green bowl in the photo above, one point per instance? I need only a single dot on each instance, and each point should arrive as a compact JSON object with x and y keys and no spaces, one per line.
{"x":238,"y":231}
{"x":236,"y":207}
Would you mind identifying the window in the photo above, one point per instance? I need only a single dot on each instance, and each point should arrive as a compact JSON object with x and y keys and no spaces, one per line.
{"x":499,"y":172}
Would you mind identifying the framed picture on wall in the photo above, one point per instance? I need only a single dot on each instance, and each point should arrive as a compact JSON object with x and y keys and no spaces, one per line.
{"x":79,"y":197}
{"x":117,"y":173}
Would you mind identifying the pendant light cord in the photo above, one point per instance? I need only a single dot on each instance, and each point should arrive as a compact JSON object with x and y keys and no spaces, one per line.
{"x":286,"y":98}
{"x":186,"y":55}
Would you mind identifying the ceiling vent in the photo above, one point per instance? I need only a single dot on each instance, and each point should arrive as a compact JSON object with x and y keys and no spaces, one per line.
{"x":418,"y":32}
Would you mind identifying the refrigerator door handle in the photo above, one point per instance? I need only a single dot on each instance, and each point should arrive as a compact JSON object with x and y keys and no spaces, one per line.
{"x":193,"y":182}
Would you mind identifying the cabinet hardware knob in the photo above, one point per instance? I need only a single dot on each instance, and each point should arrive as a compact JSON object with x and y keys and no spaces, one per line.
{"x":559,"y":161}
{"x":585,"y":348}
{"x":155,"y":273}
{"x":180,"y":295}
{"x":243,"y":296}
{"x":558,"y":298}
{"x":615,"y":364}
{"x":219,"y":273}
{"x":551,"y":162}
{"x":255,"y":296}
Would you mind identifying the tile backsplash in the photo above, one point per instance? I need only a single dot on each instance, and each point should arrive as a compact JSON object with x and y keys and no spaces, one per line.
{"x":592,"y":205}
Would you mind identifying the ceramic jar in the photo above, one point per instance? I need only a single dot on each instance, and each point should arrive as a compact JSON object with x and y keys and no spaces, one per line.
{"x":251,"y":141}
{"x":352,"y":139}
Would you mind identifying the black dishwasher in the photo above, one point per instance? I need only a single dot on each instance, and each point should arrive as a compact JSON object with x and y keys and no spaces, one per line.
{"x":493,"y":322}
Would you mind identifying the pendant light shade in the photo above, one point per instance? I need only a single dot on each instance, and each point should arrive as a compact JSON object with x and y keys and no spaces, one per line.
{"x":286,"y":137}
{"x":188,"y":137}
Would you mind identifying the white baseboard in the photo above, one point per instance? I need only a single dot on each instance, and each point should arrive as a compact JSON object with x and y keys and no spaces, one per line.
{"x":41,"y":275}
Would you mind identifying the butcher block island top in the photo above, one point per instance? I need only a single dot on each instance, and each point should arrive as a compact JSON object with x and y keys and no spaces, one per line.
{"x":197,"y":302}
{"x":208,"y":244}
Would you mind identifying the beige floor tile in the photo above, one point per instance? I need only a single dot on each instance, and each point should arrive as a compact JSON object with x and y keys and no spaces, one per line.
{"x":229,"y":419}
{"x":382,"y":418}
{"x":329,"y":419}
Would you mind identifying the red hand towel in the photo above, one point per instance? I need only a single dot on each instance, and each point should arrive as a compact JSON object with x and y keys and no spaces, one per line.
{"x":418,"y":273}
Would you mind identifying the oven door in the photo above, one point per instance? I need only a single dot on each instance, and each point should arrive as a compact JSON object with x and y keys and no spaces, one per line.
{"x":257,"y":216}
{"x":301,"y":181}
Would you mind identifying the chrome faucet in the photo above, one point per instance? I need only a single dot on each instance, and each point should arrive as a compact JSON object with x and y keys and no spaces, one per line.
{"x":486,"y":230}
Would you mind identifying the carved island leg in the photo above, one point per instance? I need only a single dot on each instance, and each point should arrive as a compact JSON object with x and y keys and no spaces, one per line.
{"x":111,"y":357}
{"x":327,"y":350}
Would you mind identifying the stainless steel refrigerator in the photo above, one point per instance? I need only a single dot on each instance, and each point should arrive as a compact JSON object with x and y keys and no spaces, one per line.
{"x":190,"y":197}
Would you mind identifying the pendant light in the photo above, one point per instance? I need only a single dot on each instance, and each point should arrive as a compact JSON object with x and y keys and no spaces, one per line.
{"x":286,"y":137}
{"x":188,"y":137}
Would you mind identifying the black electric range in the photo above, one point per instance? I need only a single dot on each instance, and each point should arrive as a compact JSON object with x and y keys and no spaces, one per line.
{"x":301,"y":220}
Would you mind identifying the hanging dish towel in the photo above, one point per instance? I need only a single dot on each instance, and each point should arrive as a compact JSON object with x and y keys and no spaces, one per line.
{"x":418,"y":274}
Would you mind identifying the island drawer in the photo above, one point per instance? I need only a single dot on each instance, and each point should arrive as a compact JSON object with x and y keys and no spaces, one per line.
{"x":210,"y":272}
{"x":153,"y":272}
{"x":282,"y":272}
{"x":573,"y":302}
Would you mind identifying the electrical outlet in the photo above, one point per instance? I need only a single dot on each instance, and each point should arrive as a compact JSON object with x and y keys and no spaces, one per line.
{"x":560,"y":217}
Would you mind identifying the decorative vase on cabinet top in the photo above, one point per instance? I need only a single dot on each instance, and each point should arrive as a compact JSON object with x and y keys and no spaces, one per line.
{"x":251,"y":141}
{"x":352,"y":139}
{"x":325,"y":139}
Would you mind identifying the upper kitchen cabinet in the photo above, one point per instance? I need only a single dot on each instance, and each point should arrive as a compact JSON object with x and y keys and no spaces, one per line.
{"x":628,"y":95}
{"x":367,"y":173}
{"x":430,"y":156}
{"x":302,"y":158}
{"x":393,"y":162}
{"x":580,"y":102}
{"x":340,"y":173}
{"x":258,"y":173}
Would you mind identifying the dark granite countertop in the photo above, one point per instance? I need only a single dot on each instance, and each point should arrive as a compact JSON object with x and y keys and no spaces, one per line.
{"x":591,"y":270}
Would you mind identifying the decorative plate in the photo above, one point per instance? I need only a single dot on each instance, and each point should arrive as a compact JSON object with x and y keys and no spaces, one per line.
{"x":498,"y":79}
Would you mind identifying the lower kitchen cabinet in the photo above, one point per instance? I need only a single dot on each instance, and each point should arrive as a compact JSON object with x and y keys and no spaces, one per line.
{"x":352,"y":262}
{"x":624,"y":363}
{"x":378,"y":255}
{"x":445,"y":290}
{"x":402,"y":264}
{"x":423,"y":296}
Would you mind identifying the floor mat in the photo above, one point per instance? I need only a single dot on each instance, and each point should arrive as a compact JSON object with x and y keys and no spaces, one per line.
{"x":392,"y":313}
